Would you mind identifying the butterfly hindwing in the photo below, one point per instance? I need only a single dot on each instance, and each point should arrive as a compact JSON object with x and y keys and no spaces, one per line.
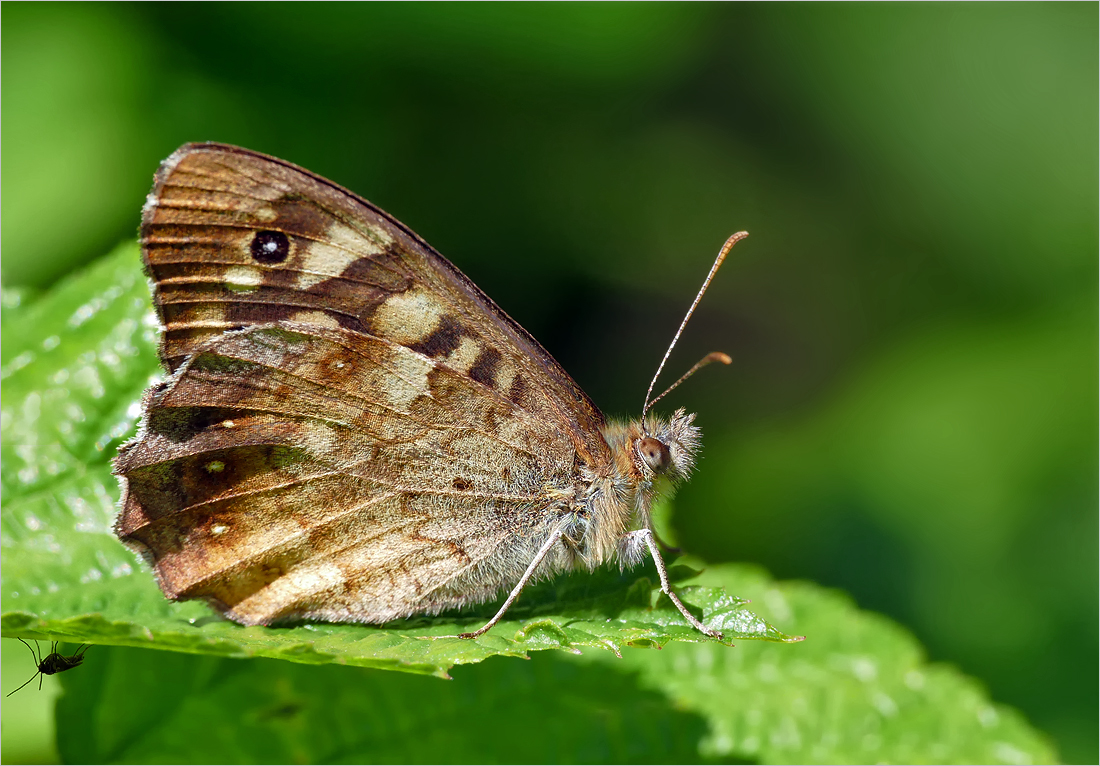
{"x":252,"y":468}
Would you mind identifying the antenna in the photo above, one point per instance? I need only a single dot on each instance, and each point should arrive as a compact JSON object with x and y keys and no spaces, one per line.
{"x":713,"y":357}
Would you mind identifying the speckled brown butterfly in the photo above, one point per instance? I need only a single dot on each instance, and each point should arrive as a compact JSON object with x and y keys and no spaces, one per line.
{"x":350,"y":430}
{"x":54,"y":662}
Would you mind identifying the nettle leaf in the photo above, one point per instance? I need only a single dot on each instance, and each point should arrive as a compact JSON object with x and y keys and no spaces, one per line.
{"x":75,"y":362}
{"x":859,"y":690}
{"x":547,"y":710}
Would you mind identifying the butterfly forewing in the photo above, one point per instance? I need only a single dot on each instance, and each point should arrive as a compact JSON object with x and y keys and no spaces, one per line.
{"x":351,"y":429}
{"x":326,"y":256}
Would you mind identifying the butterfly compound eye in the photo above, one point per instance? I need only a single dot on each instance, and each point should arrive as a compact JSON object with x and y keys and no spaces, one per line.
{"x":655,"y":453}
{"x":270,"y":247}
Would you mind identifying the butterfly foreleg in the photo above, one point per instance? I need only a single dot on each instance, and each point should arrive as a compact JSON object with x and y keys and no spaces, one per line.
{"x":544,"y":551}
{"x":574,"y":538}
{"x":646,"y":536}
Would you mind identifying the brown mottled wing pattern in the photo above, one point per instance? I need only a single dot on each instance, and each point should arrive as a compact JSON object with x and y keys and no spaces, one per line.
{"x":350,"y":429}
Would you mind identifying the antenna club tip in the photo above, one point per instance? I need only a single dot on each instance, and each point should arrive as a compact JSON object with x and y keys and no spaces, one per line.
{"x":733,"y":240}
{"x":718,"y":356}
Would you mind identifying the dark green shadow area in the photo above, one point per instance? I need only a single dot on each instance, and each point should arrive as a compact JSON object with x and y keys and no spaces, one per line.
{"x":132,"y":706}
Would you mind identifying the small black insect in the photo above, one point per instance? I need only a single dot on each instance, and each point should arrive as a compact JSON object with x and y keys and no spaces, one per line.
{"x":52,"y":662}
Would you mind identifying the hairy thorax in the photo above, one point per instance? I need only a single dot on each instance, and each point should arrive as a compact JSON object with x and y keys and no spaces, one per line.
{"x":619,"y":495}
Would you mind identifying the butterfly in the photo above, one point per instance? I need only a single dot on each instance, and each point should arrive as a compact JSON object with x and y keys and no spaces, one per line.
{"x":350,"y":430}
{"x":53,"y":662}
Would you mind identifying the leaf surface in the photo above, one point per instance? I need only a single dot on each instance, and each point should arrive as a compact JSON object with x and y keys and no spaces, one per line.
{"x":858,"y":690}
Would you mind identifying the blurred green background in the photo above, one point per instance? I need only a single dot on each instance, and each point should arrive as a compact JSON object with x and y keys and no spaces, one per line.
{"x":912,"y":410}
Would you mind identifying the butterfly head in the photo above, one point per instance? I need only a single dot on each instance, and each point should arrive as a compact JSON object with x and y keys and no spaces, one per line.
{"x":667,"y":447}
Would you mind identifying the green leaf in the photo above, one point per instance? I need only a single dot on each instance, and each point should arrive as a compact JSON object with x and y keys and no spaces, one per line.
{"x":75,"y":362}
{"x":859,"y":690}
{"x":226,"y":711}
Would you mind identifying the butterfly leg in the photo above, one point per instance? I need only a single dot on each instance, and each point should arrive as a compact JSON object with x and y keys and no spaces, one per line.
{"x":651,"y":543}
{"x":555,"y":536}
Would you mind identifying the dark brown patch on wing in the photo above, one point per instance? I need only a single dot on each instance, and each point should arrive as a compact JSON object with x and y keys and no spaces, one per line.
{"x":517,"y":390}
{"x":485,"y":365}
{"x":181,"y":424}
{"x":166,"y":487}
{"x":443,"y":340}
{"x":298,"y":214}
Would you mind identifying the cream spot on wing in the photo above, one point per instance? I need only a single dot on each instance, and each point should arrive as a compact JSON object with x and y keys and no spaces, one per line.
{"x":407,"y":317}
{"x":219,"y":529}
{"x":214,"y":324}
{"x":463,"y":357}
{"x":312,"y":578}
{"x":342,"y":247}
{"x":411,"y":380}
{"x":320,"y":318}
{"x":372,"y":239}
{"x":299,"y":583}
{"x":321,"y":439}
{"x":244,"y":279}
{"x":264,"y":214}
{"x":214,"y":466}
{"x":505,"y":374}
{"x":203,"y":315}
{"x":319,"y":261}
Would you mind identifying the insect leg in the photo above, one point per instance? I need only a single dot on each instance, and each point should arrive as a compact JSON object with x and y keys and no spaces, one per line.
{"x":647,"y":535}
{"x":27,"y":682}
{"x":36,"y":664}
{"x":555,"y":536}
